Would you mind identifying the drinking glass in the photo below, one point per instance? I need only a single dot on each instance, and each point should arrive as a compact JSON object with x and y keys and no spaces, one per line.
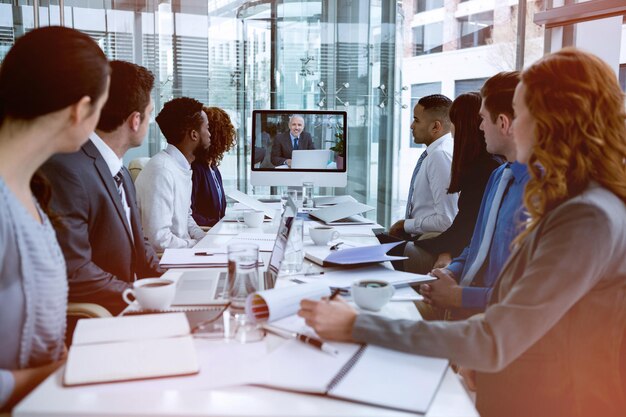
{"x":243,"y":274}
{"x":307,"y":194}
{"x":294,"y":254}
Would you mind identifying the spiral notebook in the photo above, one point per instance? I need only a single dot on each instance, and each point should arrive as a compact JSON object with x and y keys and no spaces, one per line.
{"x":359,"y":373}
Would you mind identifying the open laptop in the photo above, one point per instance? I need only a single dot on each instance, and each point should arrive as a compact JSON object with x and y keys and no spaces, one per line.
{"x":310,"y":159}
{"x":208,"y":287}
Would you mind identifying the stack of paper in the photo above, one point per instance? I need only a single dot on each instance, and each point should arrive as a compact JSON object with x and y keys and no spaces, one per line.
{"x":133,"y":347}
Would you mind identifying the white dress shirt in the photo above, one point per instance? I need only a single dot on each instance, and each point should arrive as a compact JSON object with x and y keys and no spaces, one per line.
{"x":433,"y":209}
{"x":115,"y":164}
{"x":164,"y":199}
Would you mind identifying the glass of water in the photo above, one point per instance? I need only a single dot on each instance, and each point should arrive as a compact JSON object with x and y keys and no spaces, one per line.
{"x":294,"y":254}
{"x":307,"y":194}
{"x":243,"y":274}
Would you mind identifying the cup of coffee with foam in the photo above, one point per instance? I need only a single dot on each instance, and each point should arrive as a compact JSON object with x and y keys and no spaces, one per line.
{"x":151,"y":293}
{"x":371,"y":294}
{"x":321,"y":235}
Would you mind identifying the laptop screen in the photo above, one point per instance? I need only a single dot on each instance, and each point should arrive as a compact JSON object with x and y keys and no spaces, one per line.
{"x":278,"y":253}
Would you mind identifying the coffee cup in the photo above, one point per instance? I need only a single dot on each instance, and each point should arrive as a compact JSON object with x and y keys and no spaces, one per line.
{"x":253,"y":218}
{"x":151,"y":293}
{"x":321,"y":235}
{"x":371,"y":294}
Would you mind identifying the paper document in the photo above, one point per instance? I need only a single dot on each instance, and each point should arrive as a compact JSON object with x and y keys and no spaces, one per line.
{"x":345,"y":277}
{"x":196,"y":258}
{"x":252,"y":202}
{"x":343,"y":213}
{"x":132,"y":347}
{"x":264,"y":240}
{"x":333,"y":200}
{"x":274,"y":304}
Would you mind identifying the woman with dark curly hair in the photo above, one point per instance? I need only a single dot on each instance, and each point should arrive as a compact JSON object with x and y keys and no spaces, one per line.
{"x":208,"y":201}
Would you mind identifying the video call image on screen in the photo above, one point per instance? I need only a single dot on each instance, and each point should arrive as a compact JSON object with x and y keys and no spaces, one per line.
{"x":300,"y":140}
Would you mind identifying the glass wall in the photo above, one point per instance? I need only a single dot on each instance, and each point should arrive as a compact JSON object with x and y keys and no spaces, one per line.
{"x":372,"y":58}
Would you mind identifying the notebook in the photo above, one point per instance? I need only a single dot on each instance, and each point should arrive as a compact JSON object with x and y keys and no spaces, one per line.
{"x":195,"y":258}
{"x":323,"y":255}
{"x":130,"y":347}
{"x":359,"y":373}
{"x":343,"y":213}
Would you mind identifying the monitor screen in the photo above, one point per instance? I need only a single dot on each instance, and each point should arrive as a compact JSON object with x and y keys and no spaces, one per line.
{"x":293,"y":146}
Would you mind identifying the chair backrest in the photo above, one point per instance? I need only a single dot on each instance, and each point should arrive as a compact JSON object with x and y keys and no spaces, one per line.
{"x":136,"y":165}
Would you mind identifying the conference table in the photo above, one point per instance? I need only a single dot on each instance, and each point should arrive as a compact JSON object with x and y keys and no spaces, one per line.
{"x":219,"y":389}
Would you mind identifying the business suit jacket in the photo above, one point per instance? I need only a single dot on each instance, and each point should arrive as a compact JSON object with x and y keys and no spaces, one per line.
{"x":282,"y":148}
{"x":205,"y":200}
{"x":103,"y":254}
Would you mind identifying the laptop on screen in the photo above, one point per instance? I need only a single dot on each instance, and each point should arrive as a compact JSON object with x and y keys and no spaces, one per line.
{"x":310,"y":159}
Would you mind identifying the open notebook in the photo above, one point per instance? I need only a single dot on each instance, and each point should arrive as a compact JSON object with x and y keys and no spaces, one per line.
{"x":127,"y":348}
{"x":360,"y":373}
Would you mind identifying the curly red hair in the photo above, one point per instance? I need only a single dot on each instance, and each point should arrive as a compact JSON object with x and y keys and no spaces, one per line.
{"x":580,"y":130}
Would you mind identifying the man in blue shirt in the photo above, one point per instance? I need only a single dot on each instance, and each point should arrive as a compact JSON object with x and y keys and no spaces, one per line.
{"x":463,"y":288}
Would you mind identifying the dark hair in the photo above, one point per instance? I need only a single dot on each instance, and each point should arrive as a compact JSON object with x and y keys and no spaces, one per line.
{"x":129,"y":92}
{"x":178,"y":117}
{"x":469,"y":141}
{"x":436,"y":105}
{"x":223,"y":136}
{"x":497,"y":93}
{"x":49,"y":69}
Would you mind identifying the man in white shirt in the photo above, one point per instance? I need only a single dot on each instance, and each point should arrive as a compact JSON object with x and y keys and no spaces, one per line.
{"x":430,"y":209}
{"x":164,"y":185}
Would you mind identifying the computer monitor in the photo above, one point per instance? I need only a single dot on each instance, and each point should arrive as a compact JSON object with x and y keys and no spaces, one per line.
{"x":290,"y":147}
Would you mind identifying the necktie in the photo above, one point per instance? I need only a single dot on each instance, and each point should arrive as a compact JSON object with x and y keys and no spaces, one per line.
{"x":118,"y":182}
{"x":295,"y":143}
{"x":409,"y":203}
{"x":485,"y":244}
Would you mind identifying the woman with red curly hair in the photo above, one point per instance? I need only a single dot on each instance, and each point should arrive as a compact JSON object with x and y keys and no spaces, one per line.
{"x":208,"y":200}
{"x":552,"y":341}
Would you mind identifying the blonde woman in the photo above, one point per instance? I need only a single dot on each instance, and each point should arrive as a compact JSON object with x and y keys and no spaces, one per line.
{"x":552,"y":340}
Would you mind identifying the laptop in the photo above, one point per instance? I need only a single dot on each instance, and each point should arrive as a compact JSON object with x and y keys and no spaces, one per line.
{"x":208,"y":287}
{"x":310,"y":159}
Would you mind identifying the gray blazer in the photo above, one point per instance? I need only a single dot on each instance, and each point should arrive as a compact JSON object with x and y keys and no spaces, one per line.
{"x":102,"y":253}
{"x":282,"y":147}
{"x":552,"y":340}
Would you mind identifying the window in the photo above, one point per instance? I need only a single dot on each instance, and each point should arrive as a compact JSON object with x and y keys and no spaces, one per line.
{"x":428,"y":39}
{"x":426,"y":5}
{"x":622,"y":76}
{"x":422,"y":90}
{"x":465,"y":86}
{"x":475,"y":30}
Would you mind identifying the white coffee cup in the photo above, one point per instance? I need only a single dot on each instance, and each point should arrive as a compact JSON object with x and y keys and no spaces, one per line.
{"x":151,"y":293}
{"x":321,"y":235}
{"x":371,"y":294}
{"x":253,"y":218}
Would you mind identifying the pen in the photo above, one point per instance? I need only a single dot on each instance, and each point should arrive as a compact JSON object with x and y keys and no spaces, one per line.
{"x":335,"y":293}
{"x":203,"y":254}
{"x":317,"y":343}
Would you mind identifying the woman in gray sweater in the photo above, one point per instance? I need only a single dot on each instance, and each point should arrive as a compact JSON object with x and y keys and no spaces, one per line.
{"x":43,"y":110}
{"x":553,"y":340}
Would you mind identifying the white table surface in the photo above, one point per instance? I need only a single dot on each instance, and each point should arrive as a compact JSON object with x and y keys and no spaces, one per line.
{"x":217,"y":390}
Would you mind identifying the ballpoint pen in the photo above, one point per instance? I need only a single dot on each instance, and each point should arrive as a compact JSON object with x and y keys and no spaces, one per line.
{"x":335,"y":293}
{"x":317,"y":343}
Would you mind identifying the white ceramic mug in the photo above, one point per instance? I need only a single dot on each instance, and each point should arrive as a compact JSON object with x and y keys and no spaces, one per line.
{"x":321,"y":235}
{"x":253,"y":218}
{"x":151,"y":293}
{"x":371,"y":294}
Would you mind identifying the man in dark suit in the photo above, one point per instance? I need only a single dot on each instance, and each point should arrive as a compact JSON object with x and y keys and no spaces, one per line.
{"x":295,"y":139}
{"x":99,"y":229}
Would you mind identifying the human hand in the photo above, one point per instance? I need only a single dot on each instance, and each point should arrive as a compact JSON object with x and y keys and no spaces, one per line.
{"x":444,"y":292}
{"x":397,"y":229}
{"x":288,"y":162}
{"x":443,"y":260}
{"x":469,"y":377}
{"x":332,"y":320}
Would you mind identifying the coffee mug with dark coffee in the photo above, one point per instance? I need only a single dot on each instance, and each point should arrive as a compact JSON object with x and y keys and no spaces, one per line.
{"x":151,"y":293}
{"x":370,"y":294}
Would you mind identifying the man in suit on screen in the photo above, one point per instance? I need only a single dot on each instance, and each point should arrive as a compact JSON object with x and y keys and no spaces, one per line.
{"x":295,"y":139}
